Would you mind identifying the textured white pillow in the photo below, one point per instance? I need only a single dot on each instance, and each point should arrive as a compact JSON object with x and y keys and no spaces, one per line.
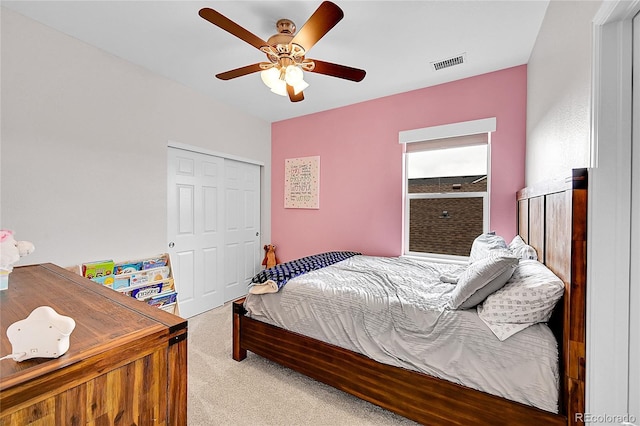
{"x":483,"y":277}
{"x":483,"y":244}
{"x":528,"y":298}
{"x":522,"y":249}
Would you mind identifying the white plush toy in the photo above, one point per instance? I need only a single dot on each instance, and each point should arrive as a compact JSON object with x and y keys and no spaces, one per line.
{"x":11,"y":250}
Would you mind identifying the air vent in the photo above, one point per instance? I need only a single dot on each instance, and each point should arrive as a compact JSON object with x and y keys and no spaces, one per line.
{"x":446,"y":63}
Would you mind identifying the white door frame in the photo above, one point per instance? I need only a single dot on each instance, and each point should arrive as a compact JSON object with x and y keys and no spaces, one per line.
{"x":634,"y":295}
{"x":186,"y":147}
{"x":609,"y":218}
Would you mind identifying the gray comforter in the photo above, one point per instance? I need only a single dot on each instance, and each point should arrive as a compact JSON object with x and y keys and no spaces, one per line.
{"x":393,"y":310}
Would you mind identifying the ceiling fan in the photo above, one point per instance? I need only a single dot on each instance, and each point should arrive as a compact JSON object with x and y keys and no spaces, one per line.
{"x":286,"y":51}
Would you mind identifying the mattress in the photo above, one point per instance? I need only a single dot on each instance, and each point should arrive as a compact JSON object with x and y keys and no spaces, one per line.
{"x":393,"y":310}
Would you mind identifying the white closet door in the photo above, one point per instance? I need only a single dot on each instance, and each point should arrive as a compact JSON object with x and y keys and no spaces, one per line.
{"x":196,"y":229}
{"x":242,"y":226}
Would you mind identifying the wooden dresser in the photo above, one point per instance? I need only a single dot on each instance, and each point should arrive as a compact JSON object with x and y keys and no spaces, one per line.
{"x":126,"y":364}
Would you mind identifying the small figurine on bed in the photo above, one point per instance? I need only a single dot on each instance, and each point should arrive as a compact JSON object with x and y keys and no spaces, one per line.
{"x":270,"y":259}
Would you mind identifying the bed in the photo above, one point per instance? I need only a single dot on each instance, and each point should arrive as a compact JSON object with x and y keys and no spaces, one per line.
{"x":552,"y":219}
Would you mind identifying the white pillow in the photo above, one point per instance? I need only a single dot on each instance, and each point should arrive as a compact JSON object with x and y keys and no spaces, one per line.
{"x":483,"y":244}
{"x":528,"y":298}
{"x":483,"y":277}
{"x":522,"y":249}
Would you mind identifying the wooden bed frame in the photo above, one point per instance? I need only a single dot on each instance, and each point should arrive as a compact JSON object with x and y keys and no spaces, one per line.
{"x":551,"y":218}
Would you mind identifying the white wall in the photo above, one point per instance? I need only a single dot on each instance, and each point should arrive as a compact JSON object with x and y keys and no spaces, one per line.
{"x":84,"y":146}
{"x":559,"y":92}
{"x":579,"y":109}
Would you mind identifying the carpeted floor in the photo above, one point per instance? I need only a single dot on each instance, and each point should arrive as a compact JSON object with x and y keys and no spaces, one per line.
{"x":259,"y":392}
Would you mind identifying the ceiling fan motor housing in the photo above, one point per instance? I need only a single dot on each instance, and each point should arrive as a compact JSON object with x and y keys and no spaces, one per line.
{"x":285,"y":26}
{"x":280,"y":51}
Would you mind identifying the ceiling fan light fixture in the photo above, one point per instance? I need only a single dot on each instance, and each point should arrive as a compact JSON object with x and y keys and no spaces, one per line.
{"x":299,"y":86}
{"x":293,"y":75}
{"x":279,"y":87}
{"x":270,"y":77}
{"x":278,"y":77}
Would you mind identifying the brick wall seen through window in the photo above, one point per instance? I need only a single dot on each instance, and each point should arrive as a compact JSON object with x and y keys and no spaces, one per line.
{"x":445,"y":226}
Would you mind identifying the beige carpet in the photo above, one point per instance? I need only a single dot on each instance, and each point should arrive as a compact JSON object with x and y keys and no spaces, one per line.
{"x":259,"y":392}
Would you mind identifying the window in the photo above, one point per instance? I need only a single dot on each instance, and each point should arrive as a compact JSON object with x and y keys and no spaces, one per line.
{"x":446,"y":197}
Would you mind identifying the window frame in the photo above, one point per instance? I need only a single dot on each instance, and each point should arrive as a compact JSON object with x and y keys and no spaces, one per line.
{"x":443,"y":137}
{"x":407,"y":196}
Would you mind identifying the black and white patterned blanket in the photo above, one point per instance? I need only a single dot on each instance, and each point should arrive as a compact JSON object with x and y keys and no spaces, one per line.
{"x":272,"y":279}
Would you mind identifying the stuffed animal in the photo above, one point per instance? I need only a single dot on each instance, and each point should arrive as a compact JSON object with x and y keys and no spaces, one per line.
{"x":11,"y":250}
{"x":270,"y":259}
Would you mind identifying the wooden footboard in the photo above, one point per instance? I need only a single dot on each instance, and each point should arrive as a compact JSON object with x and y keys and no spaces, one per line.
{"x":411,"y":394}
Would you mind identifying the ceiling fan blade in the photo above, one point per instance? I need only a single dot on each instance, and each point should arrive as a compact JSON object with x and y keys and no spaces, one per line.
{"x":239,"y":72}
{"x":326,"y":16}
{"x":292,"y":94}
{"x":340,"y":71}
{"x":216,"y":18}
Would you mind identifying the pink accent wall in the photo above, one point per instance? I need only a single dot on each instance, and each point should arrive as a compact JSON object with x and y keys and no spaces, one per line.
{"x":361,"y":163}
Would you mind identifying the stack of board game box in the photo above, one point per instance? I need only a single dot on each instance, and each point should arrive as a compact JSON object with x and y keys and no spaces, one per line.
{"x":148,"y":279}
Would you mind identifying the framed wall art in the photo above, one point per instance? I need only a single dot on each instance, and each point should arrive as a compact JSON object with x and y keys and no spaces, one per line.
{"x":302,"y":183}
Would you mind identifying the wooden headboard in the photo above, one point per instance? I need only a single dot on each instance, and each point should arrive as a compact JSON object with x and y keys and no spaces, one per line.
{"x":552,"y":217}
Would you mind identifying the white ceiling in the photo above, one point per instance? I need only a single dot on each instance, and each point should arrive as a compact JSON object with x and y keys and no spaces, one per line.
{"x":394,"y":41}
